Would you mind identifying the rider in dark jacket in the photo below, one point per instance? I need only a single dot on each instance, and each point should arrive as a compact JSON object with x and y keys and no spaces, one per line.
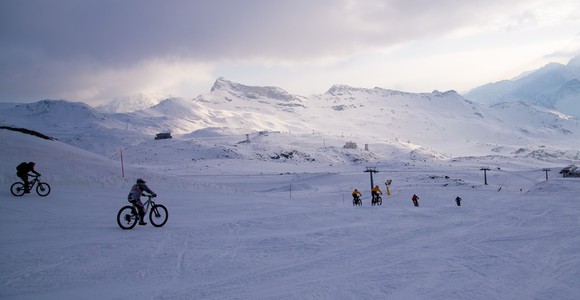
{"x":135,"y":197}
{"x":22,"y":171}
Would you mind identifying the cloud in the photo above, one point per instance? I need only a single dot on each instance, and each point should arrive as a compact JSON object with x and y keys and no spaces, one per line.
{"x":125,"y":32}
{"x":80,"y":48}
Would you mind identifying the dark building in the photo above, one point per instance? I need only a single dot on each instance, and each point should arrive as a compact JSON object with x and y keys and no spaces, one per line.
{"x":163,"y":135}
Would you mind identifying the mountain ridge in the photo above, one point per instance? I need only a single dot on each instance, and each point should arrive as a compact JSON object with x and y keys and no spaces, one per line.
{"x":552,"y":86}
{"x":444,"y":124}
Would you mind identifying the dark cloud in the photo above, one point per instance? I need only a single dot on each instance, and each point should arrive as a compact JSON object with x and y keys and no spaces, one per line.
{"x":47,"y":42}
{"x":124,"y":31}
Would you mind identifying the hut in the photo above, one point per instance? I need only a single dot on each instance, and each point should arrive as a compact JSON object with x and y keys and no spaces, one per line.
{"x":570,"y":171}
{"x":163,"y":135}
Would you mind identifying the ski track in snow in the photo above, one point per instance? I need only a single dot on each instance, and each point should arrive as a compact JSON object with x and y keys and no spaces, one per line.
{"x":287,"y":230}
{"x":267,"y":246}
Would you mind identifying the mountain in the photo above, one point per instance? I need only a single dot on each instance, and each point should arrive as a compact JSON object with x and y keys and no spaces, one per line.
{"x":443,"y":122}
{"x":252,"y":92}
{"x":390,"y":124}
{"x":130,"y":103}
{"x":552,"y":86}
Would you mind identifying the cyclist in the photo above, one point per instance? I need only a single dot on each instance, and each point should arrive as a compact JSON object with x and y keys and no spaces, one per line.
{"x":356,"y":196}
{"x":135,"y":198}
{"x":22,"y":171}
{"x":375,"y":192}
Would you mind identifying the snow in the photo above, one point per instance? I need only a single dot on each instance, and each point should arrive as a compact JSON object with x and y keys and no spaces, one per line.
{"x":259,"y":233}
{"x":130,"y":104}
{"x":552,"y":86}
{"x":271,"y":218}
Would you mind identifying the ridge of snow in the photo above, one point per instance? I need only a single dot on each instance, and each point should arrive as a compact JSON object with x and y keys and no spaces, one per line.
{"x":544,"y":87}
{"x":129,"y":103}
{"x":443,"y":122}
{"x":251,"y":92}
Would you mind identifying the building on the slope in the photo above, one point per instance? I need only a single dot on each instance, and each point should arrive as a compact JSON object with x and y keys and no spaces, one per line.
{"x":570,"y":171}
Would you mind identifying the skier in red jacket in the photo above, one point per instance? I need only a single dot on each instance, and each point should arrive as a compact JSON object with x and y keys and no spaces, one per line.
{"x":415,"y":199}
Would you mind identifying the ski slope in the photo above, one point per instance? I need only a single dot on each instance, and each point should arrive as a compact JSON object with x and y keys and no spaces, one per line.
{"x":253,"y":229}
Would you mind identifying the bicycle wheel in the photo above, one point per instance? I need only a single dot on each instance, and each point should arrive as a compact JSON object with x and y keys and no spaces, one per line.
{"x":43,"y":189}
{"x":127,"y":217}
{"x":17,"y":189}
{"x":158,"y":215}
{"x":379,"y":200}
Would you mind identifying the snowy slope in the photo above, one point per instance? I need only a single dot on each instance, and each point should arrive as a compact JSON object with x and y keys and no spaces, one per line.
{"x":74,"y":123}
{"x":284,"y":229}
{"x":552,"y":86}
{"x":443,"y":122}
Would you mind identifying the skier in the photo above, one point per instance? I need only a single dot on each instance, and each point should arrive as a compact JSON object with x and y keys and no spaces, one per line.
{"x":458,"y":201}
{"x":415,"y":199}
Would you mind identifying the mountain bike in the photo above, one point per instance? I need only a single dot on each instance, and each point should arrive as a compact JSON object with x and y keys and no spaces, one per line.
{"x":356,"y":201}
{"x":129,"y":215}
{"x":377,"y":200}
{"x":42,"y":188}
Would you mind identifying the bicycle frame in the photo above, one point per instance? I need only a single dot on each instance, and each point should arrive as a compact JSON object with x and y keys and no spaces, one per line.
{"x":32,"y":182}
{"x":147,"y":204}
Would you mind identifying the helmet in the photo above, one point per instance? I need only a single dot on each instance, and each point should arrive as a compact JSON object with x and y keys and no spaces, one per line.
{"x":140,"y":180}
{"x":31,"y":163}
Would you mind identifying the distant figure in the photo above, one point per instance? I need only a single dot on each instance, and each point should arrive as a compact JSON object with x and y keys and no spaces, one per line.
{"x":415,"y":199}
{"x":135,"y":197}
{"x":356,"y":197}
{"x":458,"y":201}
{"x":22,"y":171}
{"x":387,"y":186}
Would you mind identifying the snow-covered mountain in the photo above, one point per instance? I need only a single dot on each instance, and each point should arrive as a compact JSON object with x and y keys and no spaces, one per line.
{"x":443,"y":122}
{"x":130,"y":103}
{"x":552,"y":86}
{"x":238,"y":90}
{"x":390,"y":123}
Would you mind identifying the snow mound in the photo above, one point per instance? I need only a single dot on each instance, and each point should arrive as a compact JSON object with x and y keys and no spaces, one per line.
{"x":555,"y":186}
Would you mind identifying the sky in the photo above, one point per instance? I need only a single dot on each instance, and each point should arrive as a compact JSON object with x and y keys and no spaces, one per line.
{"x":97,"y":51}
